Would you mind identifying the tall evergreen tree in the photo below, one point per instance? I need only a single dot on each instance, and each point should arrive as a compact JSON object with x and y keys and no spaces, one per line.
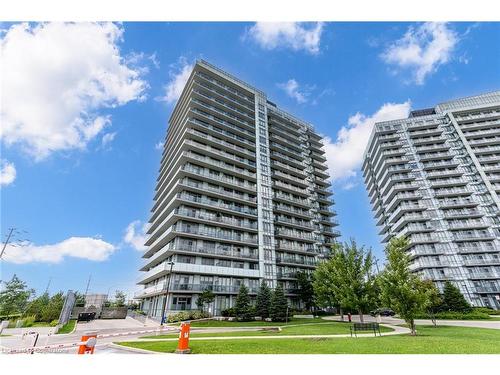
{"x":453,"y":300}
{"x":401,"y":289}
{"x":306,"y":290}
{"x":264,"y":296}
{"x":243,"y":307}
{"x":279,"y":305}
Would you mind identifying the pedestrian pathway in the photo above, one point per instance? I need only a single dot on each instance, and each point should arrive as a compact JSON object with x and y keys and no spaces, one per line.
{"x":491,"y":324}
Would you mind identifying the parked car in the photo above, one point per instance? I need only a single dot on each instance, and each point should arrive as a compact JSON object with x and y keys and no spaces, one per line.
{"x":382,"y":312}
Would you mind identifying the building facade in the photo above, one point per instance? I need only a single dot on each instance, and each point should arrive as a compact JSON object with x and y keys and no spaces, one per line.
{"x":435,"y":178}
{"x":242,"y":196}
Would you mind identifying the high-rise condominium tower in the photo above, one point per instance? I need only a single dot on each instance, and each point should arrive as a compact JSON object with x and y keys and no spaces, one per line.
{"x":435,"y":177}
{"x":242,"y":196}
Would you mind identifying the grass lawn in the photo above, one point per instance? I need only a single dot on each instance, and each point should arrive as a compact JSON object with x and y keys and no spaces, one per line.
{"x":323,"y":328}
{"x":430,"y":340}
{"x":68,"y":327}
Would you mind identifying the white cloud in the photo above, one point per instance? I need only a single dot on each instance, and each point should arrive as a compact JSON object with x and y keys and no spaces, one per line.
{"x":422,"y":49}
{"x":55,"y":79}
{"x":7,"y":172}
{"x":345,"y":154}
{"x":89,"y":248}
{"x":179,"y":75}
{"x":294,"y":91}
{"x":135,"y":235}
{"x":159,"y":145}
{"x":107,"y":139}
{"x":294,"y":35}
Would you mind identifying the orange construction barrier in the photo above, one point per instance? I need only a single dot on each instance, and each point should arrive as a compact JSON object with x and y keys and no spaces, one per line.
{"x":183,"y":347}
{"x":90,"y":339}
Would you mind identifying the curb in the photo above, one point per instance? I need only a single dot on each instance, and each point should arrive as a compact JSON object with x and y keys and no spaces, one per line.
{"x":137,"y":350}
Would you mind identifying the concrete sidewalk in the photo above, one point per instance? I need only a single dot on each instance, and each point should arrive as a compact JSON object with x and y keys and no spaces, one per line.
{"x":491,"y":324}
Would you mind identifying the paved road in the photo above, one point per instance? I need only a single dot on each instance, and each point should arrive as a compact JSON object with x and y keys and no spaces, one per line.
{"x":492,"y":324}
{"x":108,"y":326}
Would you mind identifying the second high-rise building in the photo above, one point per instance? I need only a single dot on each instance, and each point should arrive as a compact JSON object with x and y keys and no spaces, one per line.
{"x":242,"y":196}
{"x":435,"y":178}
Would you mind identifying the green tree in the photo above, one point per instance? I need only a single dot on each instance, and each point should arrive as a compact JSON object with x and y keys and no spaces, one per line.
{"x":453,"y":300}
{"x":36,"y":306}
{"x":119,"y":299}
{"x":79,"y":299}
{"x":324,"y":291}
{"x":349,"y":279}
{"x":206,"y":297}
{"x":435,"y":301}
{"x":305,"y":290}
{"x":53,"y":309}
{"x":263,"y":305}
{"x":279,"y":305}
{"x":15,"y":297}
{"x":243,"y":307}
{"x":401,"y":289}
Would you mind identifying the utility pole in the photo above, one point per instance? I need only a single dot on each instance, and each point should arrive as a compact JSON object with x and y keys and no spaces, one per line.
{"x":48,"y":285}
{"x":88,"y":284}
{"x":376,"y":264}
{"x":6,"y":241}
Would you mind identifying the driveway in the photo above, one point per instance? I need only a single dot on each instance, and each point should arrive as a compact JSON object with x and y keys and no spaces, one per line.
{"x":127,"y":329}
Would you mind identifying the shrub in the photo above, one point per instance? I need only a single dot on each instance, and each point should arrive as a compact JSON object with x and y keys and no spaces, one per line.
{"x":54,"y":323}
{"x":186,"y":315}
{"x":230,"y":312}
{"x":453,"y":315}
{"x":486,"y":310}
{"x":28,"y":321}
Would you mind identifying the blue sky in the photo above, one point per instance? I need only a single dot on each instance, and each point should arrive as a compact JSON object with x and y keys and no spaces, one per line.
{"x":86,"y":105}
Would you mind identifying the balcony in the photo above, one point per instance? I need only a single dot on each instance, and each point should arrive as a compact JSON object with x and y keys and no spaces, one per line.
{"x":292,"y":222}
{"x":227,"y":236}
{"x":475,"y":236}
{"x":290,"y":198}
{"x":300,"y":261}
{"x":230,"y":289}
{"x":288,"y":168}
{"x":295,"y":162}
{"x":290,"y":188}
{"x":220,"y":191}
{"x":221,"y":165}
{"x":292,"y":210}
{"x":467,"y":224}
{"x":225,"y":133}
{"x":220,"y":178}
{"x":218,"y":204}
{"x":296,"y":235}
{"x":209,"y":138}
{"x":287,"y":177}
{"x":214,"y":218}
{"x":482,"y":262}
{"x":232,"y":158}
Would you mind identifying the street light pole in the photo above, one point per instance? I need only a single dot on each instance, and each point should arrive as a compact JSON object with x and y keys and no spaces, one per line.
{"x":166,"y":294}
